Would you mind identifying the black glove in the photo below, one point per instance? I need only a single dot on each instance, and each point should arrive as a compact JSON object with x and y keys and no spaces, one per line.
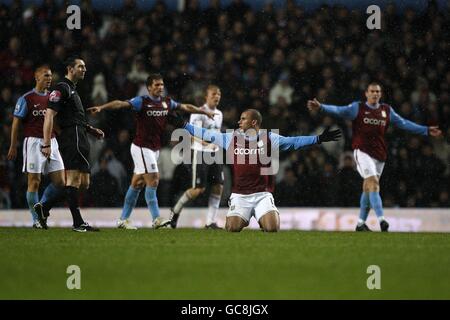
{"x":328,"y":135}
{"x":176,"y":120}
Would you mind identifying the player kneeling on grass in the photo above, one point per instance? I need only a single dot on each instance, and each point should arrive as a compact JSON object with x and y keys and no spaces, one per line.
{"x":249,"y":151}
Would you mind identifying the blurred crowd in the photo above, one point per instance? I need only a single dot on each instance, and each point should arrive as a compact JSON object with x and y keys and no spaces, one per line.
{"x":272,"y":60}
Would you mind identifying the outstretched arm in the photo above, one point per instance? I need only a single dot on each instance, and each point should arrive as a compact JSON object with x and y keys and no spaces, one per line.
{"x":295,"y":143}
{"x":221,"y":139}
{"x":349,"y":112}
{"x":113,"y":105}
{"x":189,"y":108}
{"x":410,"y":126}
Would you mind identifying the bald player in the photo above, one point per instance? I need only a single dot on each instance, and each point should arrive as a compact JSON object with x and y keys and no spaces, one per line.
{"x":30,"y":112}
{"x":249,"y":151}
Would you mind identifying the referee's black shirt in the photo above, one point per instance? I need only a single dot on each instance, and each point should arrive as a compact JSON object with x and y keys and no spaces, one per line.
{"x":65,"y":100}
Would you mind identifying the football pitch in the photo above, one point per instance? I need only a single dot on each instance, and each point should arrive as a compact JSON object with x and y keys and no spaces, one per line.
{"x":209,"y":264}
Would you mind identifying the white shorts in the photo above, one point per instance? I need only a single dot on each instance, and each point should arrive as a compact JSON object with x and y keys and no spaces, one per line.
{"x":366,"y":165}
{"x":35,"y":162}
{"x":248,"y":205}
{"x":145,"y":160}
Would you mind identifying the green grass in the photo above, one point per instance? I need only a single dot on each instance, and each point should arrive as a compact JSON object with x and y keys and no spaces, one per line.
{"x":207,"y":264}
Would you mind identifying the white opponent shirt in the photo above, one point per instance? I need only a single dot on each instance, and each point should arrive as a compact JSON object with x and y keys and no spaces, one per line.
{"x":201,"y":120}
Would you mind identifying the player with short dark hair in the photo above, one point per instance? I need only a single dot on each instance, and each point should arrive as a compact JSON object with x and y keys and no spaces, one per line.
{"x":65,"y":105}
{"x":249,"y":150}
{"x":151,"y":114}
{"x":30,"y":111}
{"x":203,"y":173}
{"x":371,"y":120}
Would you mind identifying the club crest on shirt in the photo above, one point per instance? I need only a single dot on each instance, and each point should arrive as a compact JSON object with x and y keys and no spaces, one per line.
{"x":54,"y":96}
{"x":164,"y":104}
{"x":383,"y":113}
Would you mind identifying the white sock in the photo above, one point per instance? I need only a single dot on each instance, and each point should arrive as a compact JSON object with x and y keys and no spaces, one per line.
{"x":361,"y":222}
{"x":213,"y":207}
{"x":181,"y":202}
{"x":380,"y":218}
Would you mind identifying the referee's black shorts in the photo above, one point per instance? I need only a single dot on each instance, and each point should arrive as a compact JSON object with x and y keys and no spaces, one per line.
{"x":203,"y":174}
{"x":74,"y":148}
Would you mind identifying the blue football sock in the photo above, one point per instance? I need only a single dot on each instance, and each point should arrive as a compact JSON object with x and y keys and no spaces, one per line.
{"x":152,"y":201}
{"x":32,"y":199}
{"x":364,"y":207}
{"x":130,"y":202}
{"x":377,"y":204}
{"x":51,"y":192}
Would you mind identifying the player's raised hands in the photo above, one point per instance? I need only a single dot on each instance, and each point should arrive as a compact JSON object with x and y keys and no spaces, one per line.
{"x":434,"y":131}
{"x":327,"y":135}
{"x":313,"y":104}
{"x":94,"y":110}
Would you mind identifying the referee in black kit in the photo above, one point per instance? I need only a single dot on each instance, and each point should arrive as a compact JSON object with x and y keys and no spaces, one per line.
{"x":65,"y":104}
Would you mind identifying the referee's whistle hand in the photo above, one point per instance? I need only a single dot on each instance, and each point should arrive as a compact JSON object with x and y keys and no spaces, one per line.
{"x":99,"y":134}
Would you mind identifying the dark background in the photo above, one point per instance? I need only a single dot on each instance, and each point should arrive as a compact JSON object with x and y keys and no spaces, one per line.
{"x":269,"y":57}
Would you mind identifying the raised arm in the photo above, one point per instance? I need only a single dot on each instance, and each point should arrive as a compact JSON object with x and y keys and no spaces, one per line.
{"x":349,"y":112}
{"x":413,"y":127}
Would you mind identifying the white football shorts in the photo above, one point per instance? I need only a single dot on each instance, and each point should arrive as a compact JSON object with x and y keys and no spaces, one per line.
{"x":366,"y":165}
{"x":35,"y":162}
{"x":248,"y":205}
{"x":145,"y":160}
